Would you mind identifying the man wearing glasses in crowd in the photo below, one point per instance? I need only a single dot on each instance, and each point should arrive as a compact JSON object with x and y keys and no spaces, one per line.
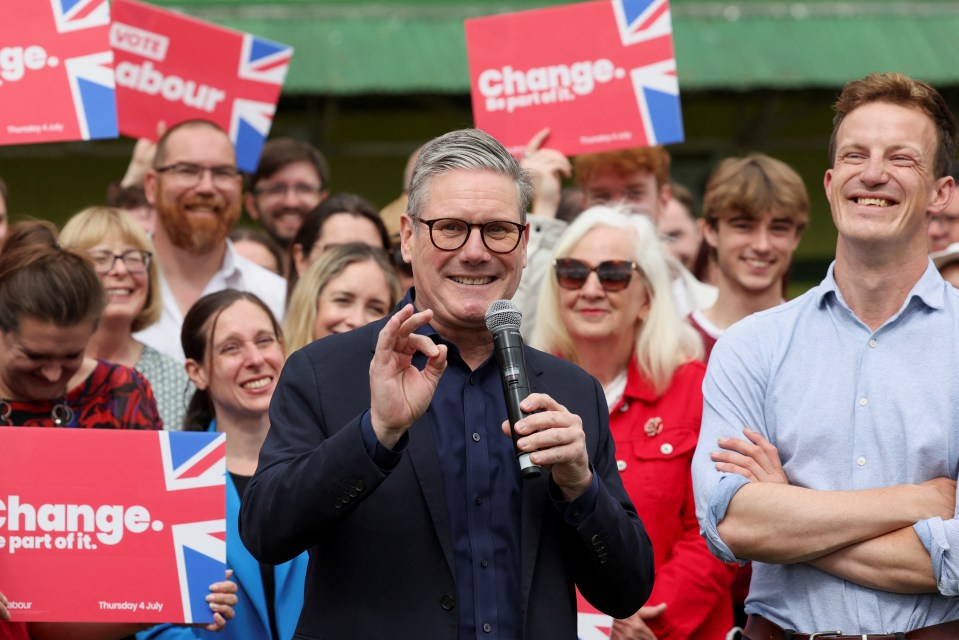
{"x":196,"y":189}
{"x":291,"y":179}
{"x":387,"y":456}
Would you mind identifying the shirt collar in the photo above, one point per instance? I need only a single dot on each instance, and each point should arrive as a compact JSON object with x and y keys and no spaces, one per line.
{"x":929,"y":290}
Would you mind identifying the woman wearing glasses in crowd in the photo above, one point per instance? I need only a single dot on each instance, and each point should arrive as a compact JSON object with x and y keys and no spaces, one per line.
{"x":349,"y":286}
{"x":234,"y":353}
{"x":122,"y":257}
{"x":609,"y":308}
{"x":50,"y":302}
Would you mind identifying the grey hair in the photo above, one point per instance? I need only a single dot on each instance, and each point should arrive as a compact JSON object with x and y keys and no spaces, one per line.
{"x":469,"y":149}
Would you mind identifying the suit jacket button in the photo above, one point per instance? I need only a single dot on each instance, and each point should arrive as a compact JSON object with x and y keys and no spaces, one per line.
{"x":337,"y":503}
{"x":358,"y":485}
{"x":447,"y":602}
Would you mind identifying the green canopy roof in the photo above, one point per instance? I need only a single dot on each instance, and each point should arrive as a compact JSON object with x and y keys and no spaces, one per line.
{"x":392,"y":46}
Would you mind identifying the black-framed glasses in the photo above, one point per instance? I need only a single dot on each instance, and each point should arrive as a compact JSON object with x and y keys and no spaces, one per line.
{"x":280,"y":189}
{"x":189,"y":174}
{"x":614,"y":275}
{"x":135,"y":260}
{"x":499,"y":236}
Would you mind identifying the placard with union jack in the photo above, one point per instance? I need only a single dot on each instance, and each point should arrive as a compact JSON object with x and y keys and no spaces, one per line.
{"x":111,"y":526}
{"x":171,"y":67}
{"x":601,"y":75}
{"x":56,"y":72}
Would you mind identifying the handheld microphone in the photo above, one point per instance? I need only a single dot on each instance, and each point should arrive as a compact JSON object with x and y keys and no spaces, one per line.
{"x":503,"y":319}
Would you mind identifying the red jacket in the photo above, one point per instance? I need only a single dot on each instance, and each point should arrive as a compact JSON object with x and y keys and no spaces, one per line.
{"x":655,"y":439}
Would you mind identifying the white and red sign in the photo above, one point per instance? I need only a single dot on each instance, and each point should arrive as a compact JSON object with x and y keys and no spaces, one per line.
{"x":56,"y":72}
{"x":601,"y":75}
{"x":171,"y":68}
{"x":111,"y":526}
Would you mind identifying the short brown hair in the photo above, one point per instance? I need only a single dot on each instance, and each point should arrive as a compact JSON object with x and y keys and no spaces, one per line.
{"x":625,"y":162}
{"x":899,"y":89}
{"x":752,"y":185}
{"x":39,"y":280}
{"x":279,"y":152}
{"x":160,"y":158}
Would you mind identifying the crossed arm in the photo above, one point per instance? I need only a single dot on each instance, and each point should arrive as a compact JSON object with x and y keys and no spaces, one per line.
{"x":863,"y":536}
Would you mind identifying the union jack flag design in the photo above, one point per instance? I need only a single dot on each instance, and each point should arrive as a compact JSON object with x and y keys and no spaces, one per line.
{"x":655,"y":84}
{"x":94,"y":95}
{"x":71,"y":15}
{"x":199,"y":547}
{"x":590,"y":623}
{"x":264,"y":60}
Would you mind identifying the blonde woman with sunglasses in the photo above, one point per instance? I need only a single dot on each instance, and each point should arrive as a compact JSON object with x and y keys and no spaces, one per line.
{"x":609,"y":308}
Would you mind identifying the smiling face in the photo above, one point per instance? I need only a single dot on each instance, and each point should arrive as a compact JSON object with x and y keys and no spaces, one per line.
{"x":753,"y":254}
{"x":357,"y":296}
{"x":243,"y":362}
{"x":282,"y":201}
{"x":460,"y":285}
{"x":126,"y":291}
{"x":38,"y":359}
{"x":195,"y":217}
{"x":881,"y":188}
{"x":593,"y":316}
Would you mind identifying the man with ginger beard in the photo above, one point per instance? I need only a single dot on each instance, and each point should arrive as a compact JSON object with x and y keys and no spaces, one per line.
{"x":196,"y":189}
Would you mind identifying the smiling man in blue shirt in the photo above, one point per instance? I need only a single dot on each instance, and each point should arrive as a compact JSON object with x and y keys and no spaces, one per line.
{"x":844,"y":493}
{"x":386,"y":455}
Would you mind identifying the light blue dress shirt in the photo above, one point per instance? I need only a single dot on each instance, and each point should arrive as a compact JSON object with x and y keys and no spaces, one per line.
{"x":848,"y":408}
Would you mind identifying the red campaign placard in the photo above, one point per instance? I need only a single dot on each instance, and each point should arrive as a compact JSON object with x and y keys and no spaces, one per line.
{"x":111,"y":526}
{"x":56,"y":72}
{"x":601,"y":75}
{"x":171,"y":67}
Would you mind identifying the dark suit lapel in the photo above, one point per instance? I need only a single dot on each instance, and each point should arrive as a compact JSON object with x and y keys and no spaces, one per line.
{"x":422,"y":451}
{"x":535,"y":497}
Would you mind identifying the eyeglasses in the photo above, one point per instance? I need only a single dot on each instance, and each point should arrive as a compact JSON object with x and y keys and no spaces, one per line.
{"x":280,"y":189}
{"x":614,"y":275}
{"x":499,"y":236}
{"x":134,"y":260}
{"x":188,"y":174}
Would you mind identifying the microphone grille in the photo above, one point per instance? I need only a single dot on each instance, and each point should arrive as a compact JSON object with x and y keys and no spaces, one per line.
{"x":501,"y":314}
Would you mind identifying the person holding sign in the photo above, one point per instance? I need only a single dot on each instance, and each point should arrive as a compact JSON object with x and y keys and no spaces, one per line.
{"x":234,"y":353}
{"x":50,"y":303}
{"x":609,"y":308}
{"x":387,"y":459}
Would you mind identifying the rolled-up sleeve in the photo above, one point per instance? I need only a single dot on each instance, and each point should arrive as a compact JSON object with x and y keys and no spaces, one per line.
{"x":941,"y":539}
{"x":733,"y":398}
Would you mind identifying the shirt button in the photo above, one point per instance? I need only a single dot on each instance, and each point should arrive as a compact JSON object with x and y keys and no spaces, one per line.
{"x":624,"y":407}
{"x":484,"y":563}
{"x":487,"y":627}
{"x":621,"y":465}
{"x":476,"y":437}
{"x":861,"y":461}
{"x":478,"y":500}
{"x":863,"y":401}
{"x":666,"y":449}
{"x":447,"y":602}
{"x":873,"y":343}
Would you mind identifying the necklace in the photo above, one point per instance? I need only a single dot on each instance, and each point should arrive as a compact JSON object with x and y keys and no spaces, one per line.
{"x":61,"y":413}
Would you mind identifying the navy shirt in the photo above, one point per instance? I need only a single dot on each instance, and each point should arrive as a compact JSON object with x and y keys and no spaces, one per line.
{"x":483,"y":490}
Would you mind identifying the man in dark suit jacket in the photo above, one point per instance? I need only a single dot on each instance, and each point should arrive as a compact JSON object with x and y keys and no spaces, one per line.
{"x":386,"y":456}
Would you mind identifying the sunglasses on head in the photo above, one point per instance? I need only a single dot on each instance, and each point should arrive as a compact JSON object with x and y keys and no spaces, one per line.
{"x":614,"y":275}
